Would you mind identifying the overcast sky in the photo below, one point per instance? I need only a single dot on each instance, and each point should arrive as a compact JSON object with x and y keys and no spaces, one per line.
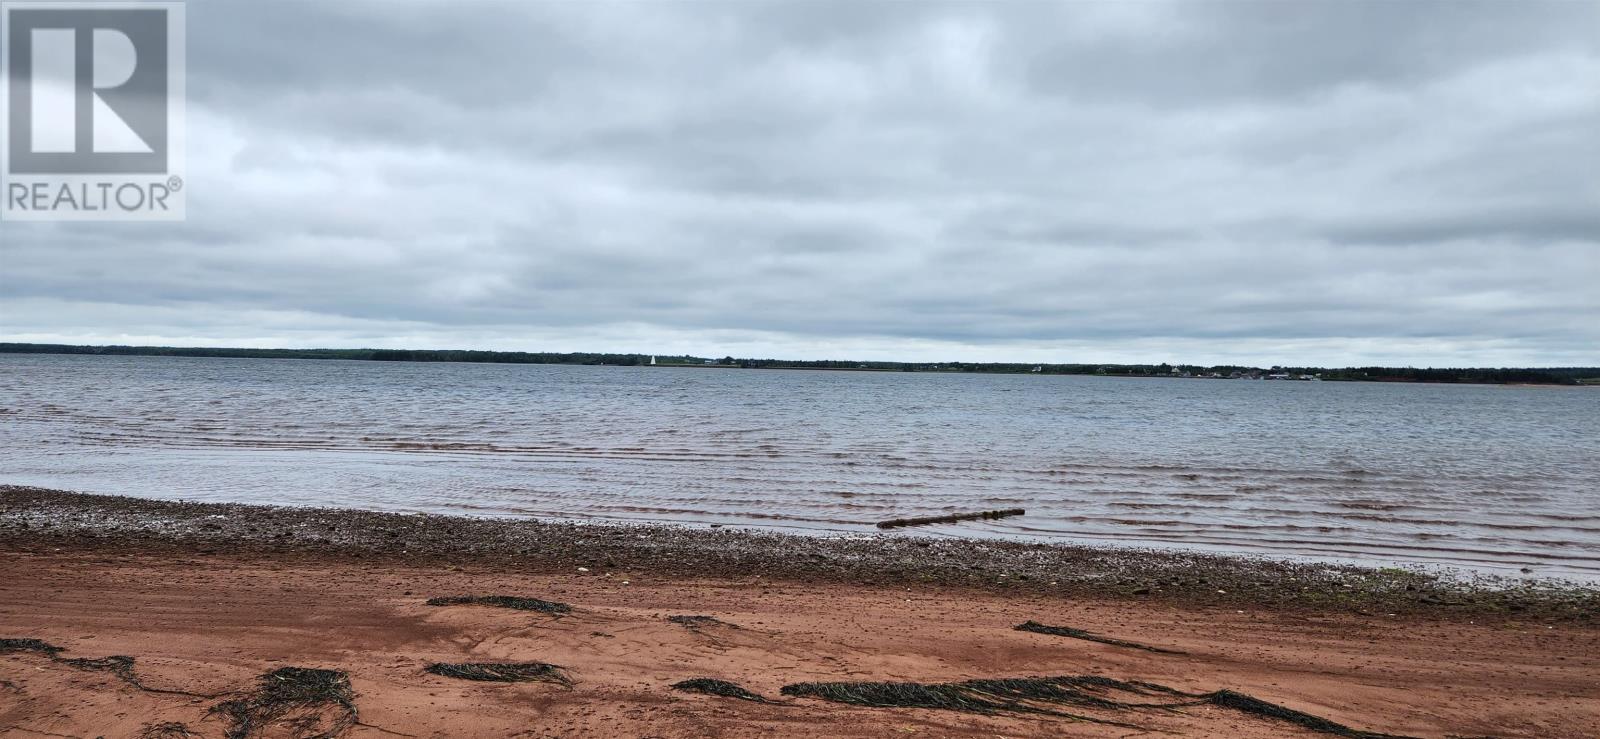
{"x":1257,"y":182}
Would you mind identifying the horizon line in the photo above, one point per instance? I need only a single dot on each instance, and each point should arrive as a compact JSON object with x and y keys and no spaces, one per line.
{"x":11,"y":347}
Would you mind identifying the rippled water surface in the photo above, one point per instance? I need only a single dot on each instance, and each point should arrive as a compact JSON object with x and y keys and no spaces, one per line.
{"x":1497,"y":477}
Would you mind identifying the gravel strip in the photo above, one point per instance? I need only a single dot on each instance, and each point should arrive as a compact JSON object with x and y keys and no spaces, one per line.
{"x":31,"y":518}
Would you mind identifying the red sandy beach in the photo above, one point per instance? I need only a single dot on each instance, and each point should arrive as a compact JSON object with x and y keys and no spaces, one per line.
{"x":208,"y":620}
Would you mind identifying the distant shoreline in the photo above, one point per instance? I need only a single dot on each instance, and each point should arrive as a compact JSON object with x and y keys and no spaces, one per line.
{"x":34,"y":517}
{"x":623,"y":637}
{"x":1568,"y":376}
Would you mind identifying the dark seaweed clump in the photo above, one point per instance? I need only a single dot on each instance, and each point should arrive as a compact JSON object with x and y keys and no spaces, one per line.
{"x":315,"y":704}
{"x":713,"y":686}
{"x":29,"y":645}
{"x":119,"y":665}
{"x":1034,"y":695}
{"x":1042,"y":695}
{"x":503,"y":601}
{"x":1254,"y":705}
{"x":503,"y":672}
{"x":1068,"y":631}
{"x":695,"y":622}
{"x":166,"y":730}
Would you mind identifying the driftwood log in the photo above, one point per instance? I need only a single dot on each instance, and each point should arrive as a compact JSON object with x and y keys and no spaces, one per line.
{"x":952,"y":518}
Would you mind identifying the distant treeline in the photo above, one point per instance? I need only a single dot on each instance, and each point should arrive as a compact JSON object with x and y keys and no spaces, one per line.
{"x":1539,"y":376}
{"x":376,"y":355}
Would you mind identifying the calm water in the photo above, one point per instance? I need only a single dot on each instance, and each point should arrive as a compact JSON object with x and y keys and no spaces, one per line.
{"x":1483,"y":476}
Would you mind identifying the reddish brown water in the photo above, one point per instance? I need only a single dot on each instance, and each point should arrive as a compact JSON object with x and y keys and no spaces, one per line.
{"x":1487,"y":477}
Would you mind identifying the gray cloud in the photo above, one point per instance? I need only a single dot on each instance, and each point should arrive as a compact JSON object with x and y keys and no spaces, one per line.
{"x":1323,"y":182}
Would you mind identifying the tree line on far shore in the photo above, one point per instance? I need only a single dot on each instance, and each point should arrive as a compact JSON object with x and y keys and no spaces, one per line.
{"x":1492,"y":375}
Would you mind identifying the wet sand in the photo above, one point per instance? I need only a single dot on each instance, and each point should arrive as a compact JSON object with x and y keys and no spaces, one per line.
{"x":206,"y":610}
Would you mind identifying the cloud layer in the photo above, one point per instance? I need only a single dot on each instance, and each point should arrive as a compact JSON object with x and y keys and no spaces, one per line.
{"x":1309,"y":182}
